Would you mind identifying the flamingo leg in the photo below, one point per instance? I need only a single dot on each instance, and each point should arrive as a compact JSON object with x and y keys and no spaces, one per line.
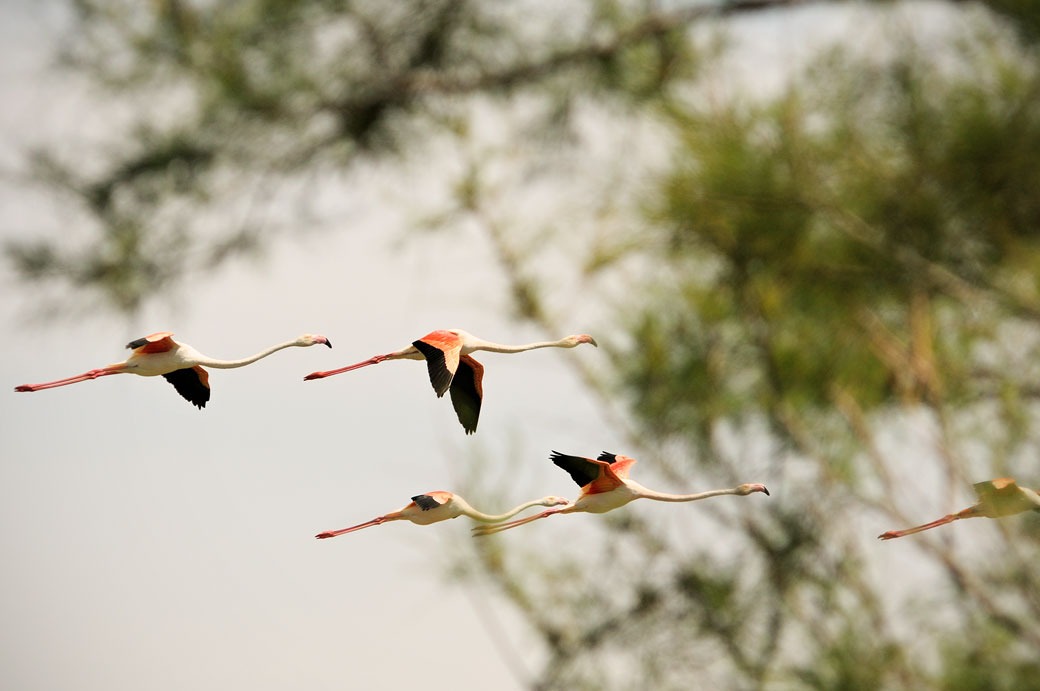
{"x":367,"y":524}
{"x":483,"y":530}
{"x":375,"y":360}
{"x":92,"y":374}
{"x":970,"y":512}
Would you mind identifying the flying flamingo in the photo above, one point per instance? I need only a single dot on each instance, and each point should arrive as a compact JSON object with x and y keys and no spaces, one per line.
{"x":447,"y":355}
{"x":605,"y":486}
{"x":433,"y":507}
{"x":178,"y":363}
{"x":997,"y":498}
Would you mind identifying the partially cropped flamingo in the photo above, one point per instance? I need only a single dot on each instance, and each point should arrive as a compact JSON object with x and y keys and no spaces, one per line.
{"x":605,"y":486}
{"x":434,"y":507}
{"x":447,"y":357}
{"x":997,"y":498}
{"x":178,"y":363}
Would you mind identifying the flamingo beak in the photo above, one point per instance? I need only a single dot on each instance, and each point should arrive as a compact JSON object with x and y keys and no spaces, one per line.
{"x":328,"y":342}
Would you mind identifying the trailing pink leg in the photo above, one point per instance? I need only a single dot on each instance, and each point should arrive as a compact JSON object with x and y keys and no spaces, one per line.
{"x":970,"y":512}
{"x":367,"y":524}
{"x":482,"y":530}
{"x":92,"y":374}
{"x":375,"y":360}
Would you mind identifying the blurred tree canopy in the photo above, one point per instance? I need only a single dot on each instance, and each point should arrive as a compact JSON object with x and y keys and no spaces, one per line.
{"x":827,"y":272}
{"x":233,"y":97}
{"x":856,"y":256}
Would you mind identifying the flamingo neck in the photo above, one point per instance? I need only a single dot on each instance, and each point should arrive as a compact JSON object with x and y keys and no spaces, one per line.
{"x":645,"y":493}
{"x":468,"y":510}
{"x":1032,"y":497}
{"x":500,"y":348}
{"x":231,"y":364}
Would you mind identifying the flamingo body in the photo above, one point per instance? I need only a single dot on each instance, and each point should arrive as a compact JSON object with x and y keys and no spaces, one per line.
{"x":997,"y":498}
{"x":1004,"y":497}
{"x":605,"y":486}
{"x":179,"y":363}
{"x":450,"y":367}
{"x":434,"y":507}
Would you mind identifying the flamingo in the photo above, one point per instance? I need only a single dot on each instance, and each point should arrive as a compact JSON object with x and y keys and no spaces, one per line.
{"x":605,"y":486}
{"x":447,"y":355}
{"x":997,"y":498}
{"x":178,"y":363}
{"x":434,"y":507}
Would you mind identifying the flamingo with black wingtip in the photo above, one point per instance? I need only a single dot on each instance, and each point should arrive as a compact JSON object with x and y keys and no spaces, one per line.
{"x":605,"y":486}
{"x":178,"y":363}
{"x":447,"y":355}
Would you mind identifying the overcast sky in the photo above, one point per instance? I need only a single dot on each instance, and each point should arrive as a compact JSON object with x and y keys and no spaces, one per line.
{"x":149,"y":545}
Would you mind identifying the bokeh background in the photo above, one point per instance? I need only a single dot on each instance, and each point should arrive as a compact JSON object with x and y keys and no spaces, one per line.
{"x":803,"y":233}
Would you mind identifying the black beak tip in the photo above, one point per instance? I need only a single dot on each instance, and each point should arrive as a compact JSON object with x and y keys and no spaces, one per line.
{"x":328,"y":342}
{"x":766,"y":491}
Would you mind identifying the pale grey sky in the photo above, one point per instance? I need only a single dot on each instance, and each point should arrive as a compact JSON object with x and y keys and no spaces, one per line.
{"x":149,"y":545}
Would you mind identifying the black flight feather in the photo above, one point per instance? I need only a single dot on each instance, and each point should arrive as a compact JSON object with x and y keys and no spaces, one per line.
{"x":134,"y":345}
{"x":425,"y":502}
{"x":465,"y":398}
{"x":582,"y":470}
{"x":607,"y":456}
{"x":440,"y":377}
{"x":188,"y":385}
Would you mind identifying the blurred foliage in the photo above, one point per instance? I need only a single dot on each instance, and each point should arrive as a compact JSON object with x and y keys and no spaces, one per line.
{"x":829,"y":231}
{"x":236,"y":96}
{"x":856,"y":254}
{"x":861,"y":248}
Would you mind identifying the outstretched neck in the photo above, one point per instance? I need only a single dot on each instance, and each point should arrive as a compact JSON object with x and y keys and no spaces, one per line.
{"x":664,"y":496}
{"x":500,"y":348}
{"x":231,"y":364}
{"x":1032,"y":497}
{"x":495,"y":518}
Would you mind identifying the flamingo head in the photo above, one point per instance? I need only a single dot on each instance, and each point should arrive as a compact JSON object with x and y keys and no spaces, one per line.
{"x":554,"y":501}
{"x":577,"y":340}
{"x":311,"y":339}
{"x":751,"y":488}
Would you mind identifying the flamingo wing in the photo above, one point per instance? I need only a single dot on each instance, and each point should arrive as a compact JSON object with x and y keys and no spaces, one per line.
{"x":431,"y":500}
{"x":1001,"y":486}
{"x":441,"y":350}
{"x":467,"y":391}
{"x":1003,"y":497}
{"x":592,"y":476}
{"x":192,"y":383}
{"x":619,"y":464}
{"x":158,"y":342}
